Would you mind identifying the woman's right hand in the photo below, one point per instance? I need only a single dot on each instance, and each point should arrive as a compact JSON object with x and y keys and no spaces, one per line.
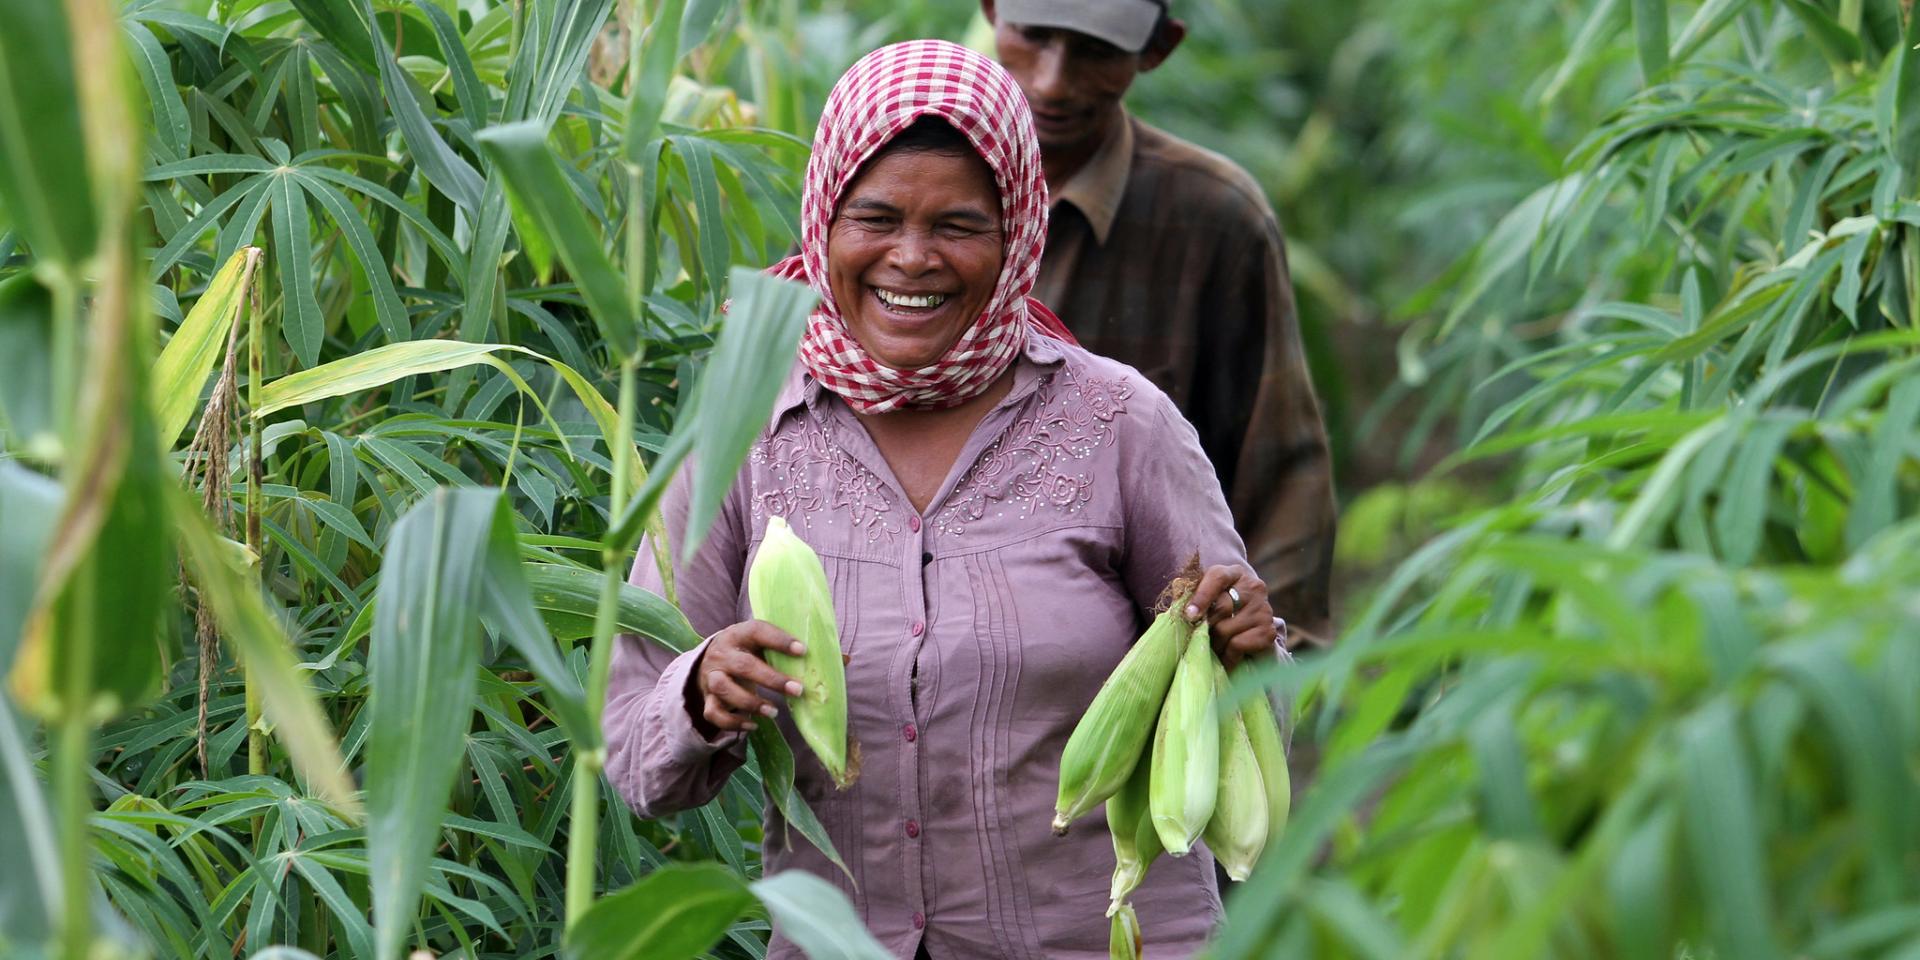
{"x":732,"y":671}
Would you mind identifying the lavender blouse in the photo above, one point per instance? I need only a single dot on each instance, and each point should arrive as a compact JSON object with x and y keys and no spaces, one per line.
{"x":977,"y":631}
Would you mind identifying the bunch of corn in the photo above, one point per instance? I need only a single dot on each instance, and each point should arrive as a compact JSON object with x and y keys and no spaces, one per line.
{"x":787,"y":587}
{"x":1213,"y":769}
{"x":1110,"y":738}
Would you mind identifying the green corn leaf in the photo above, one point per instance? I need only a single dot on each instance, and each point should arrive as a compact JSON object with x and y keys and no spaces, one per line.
{"x":540,"y":188}
{"x":1901,"y":127}
{"x":816,"y":917}
{"x":674,"y":913}
{"x":251,"y":630}
{"x":1723,"y":833}
{"x":748,"y":367}
{"x":43,"y":155}
{"x":567,"y":596}
{"x":1650,"y":36}
{"x":659,"y":55}
{"x":26,"y":385}
{"x":30,"y":886}
{"x":198,"y":345}
{"x":421,"y":668}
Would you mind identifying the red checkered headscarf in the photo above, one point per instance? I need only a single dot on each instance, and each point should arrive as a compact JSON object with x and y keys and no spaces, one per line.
{"x":874,"y":101}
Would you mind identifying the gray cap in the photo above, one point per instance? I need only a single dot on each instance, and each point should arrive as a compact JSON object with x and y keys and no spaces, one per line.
{"x":1127,"y":24}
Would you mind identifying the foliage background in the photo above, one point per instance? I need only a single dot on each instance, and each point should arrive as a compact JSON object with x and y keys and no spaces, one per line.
{"x":1628,"y":549}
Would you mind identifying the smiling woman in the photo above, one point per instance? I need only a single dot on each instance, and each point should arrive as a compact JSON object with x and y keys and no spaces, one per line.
{"x":915,"y":250}
{"x":996,"y":510}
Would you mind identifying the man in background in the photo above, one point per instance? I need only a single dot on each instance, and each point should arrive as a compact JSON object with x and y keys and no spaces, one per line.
{"x":1167,"y":257}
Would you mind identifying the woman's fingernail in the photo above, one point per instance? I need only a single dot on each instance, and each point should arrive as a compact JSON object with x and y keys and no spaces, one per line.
{"x":794,"y":688}
{"x":798,"y":648}
{"x":1193,"y":612}
{"x":749,"y":726}
{"x":767,"y":709}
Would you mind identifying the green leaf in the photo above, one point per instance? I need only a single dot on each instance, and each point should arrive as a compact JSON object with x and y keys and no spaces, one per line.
{"x":567,"y":596}
{"x":300,"y":320}
{"x":748,"y":367}
{"x":674,"y":913}
{"x":1724,"y":833}
{"x":29,"y":503}
{"x":26,"y":384}
{"x":445,"y":169}
{"x":198,"y":345}
{"x":256,"y":638}
{"x":541,"y":189}
{"x":1902,"y":129}
{"x":170,"y":124}
{"x":775,"y":757}
{"x":649,"y":92}
{"x":43,"y":154}
{"x":421,"y":668}
{"x":30,"y":886}
{"x":1836,"y":43}
{"x":467,"y":87}
{"x":817,"y":917}
{"x":507,"y":607}
{"x":1650,"y":37}
{"x":386,"y":301}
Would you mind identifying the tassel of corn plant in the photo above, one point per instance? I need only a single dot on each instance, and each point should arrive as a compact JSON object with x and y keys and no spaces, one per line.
{"x":1263,"y":733}
{"x":1237,"y":831}
{"x":1123,"y":938}
{"x":787,"y":587}
{"x":1135,"y":843}
{"x":1111,"y":737}
{"x":1186,"y":751}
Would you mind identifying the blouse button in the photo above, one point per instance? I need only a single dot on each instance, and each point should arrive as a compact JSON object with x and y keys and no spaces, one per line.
{"x":919,"y":921}
{"x":913,"y":523}
{"x":910,"y":733}
{"x":919,"y":627}
{"x":913,"y":829}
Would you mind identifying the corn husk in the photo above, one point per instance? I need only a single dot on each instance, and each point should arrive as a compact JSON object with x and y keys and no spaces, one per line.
{"x":787,"y":587}
{"x":1111,"y":737}
{"x":1263,"y":732}
{"x":1185,"y":768}
{"x":1123,"y":939}
{"x":1237,"y":831}
{"x":1135,"y":843}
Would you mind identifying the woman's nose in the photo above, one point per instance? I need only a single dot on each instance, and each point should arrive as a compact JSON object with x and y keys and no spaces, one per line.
{"x":913,"y":253}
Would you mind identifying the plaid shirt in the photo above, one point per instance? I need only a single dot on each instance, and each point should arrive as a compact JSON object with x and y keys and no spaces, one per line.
{"x":1167,"y":257}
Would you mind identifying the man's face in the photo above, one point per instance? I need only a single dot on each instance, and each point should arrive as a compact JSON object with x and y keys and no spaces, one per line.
{"x":1073,"y":81}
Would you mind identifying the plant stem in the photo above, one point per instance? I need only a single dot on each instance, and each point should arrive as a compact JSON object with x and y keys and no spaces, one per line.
{"x":256,"y":738}
{"x":71,"y":763}
{"x":583,"y":830}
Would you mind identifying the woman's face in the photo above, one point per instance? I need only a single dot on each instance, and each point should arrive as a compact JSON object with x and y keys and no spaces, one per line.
{"x":914,"y":253}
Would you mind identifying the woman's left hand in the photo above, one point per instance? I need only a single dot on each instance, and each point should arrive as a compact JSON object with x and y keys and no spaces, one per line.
{"x":1236,"y":608}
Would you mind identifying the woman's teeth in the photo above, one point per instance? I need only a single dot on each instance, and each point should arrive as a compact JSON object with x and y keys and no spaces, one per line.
{"x":906,"y":300}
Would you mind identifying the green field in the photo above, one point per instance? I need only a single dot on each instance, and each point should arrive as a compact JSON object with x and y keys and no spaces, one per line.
{"x":346,"y":347}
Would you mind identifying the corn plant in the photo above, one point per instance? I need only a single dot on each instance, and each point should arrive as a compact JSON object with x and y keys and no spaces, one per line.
{"x":1660,"y":701}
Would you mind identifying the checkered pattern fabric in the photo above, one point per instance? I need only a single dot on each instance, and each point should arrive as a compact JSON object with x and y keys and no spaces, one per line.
{"x":874,"y":101}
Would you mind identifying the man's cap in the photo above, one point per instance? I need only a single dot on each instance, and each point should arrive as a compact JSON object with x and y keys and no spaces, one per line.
{"x":1127,"y":24}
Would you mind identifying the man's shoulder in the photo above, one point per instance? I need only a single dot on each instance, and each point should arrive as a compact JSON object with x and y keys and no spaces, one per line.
{"x":1200,"y":179}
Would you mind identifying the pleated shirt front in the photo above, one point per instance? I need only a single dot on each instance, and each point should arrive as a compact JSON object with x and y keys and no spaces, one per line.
{"x":976,"y":632}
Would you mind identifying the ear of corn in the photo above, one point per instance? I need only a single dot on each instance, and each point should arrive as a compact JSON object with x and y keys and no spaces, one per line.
{"x":1263,"y":732}
{"x":1123,"y":940}
{"x":1185,"y":769}
{"x":1237,"y":831}
{"x":787,"y":587}
{"x":1112,"y":736}
{"x":1135,"y":843}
